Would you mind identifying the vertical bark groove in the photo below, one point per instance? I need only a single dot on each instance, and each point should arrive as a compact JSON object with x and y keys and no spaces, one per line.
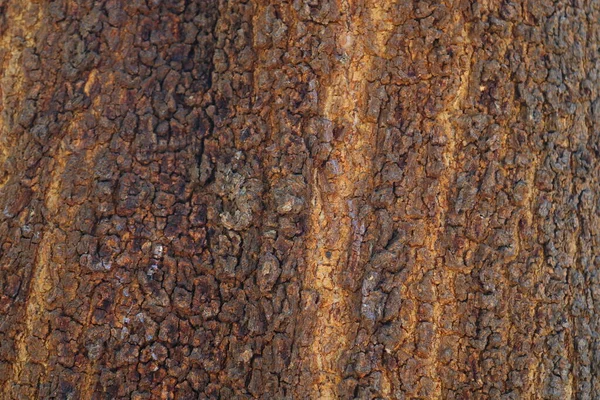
{"x":335,"y":234}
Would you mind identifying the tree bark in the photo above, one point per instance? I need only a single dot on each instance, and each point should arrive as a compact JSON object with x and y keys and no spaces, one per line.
{"x":337,"y":199}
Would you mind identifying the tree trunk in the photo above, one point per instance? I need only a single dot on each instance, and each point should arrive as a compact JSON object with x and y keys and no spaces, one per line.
{"x":299,"y":199}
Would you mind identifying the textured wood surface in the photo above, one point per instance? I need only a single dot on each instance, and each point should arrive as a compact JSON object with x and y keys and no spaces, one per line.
{"x":299,"y":199}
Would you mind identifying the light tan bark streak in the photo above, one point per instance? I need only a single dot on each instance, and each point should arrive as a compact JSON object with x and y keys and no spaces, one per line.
{"x":333,"y":224}
{"x":25,"y":21}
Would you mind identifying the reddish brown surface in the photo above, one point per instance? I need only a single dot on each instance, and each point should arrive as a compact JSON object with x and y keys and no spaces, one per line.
{"x":299,"y":199}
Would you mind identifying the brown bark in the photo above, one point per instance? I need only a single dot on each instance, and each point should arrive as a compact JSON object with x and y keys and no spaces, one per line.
{"x":299,"y":199}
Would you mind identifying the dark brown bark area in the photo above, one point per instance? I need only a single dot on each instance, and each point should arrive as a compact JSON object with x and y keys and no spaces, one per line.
{"x":299,"y":199}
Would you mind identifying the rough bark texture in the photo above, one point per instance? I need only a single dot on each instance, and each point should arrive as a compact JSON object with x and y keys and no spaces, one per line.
{"x":299,"y":199}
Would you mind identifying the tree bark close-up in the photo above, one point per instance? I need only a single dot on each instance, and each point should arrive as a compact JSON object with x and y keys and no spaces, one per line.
{"x":299,"y":199}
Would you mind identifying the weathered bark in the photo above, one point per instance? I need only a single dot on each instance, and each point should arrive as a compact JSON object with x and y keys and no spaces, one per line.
{"x":299,"y":199}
